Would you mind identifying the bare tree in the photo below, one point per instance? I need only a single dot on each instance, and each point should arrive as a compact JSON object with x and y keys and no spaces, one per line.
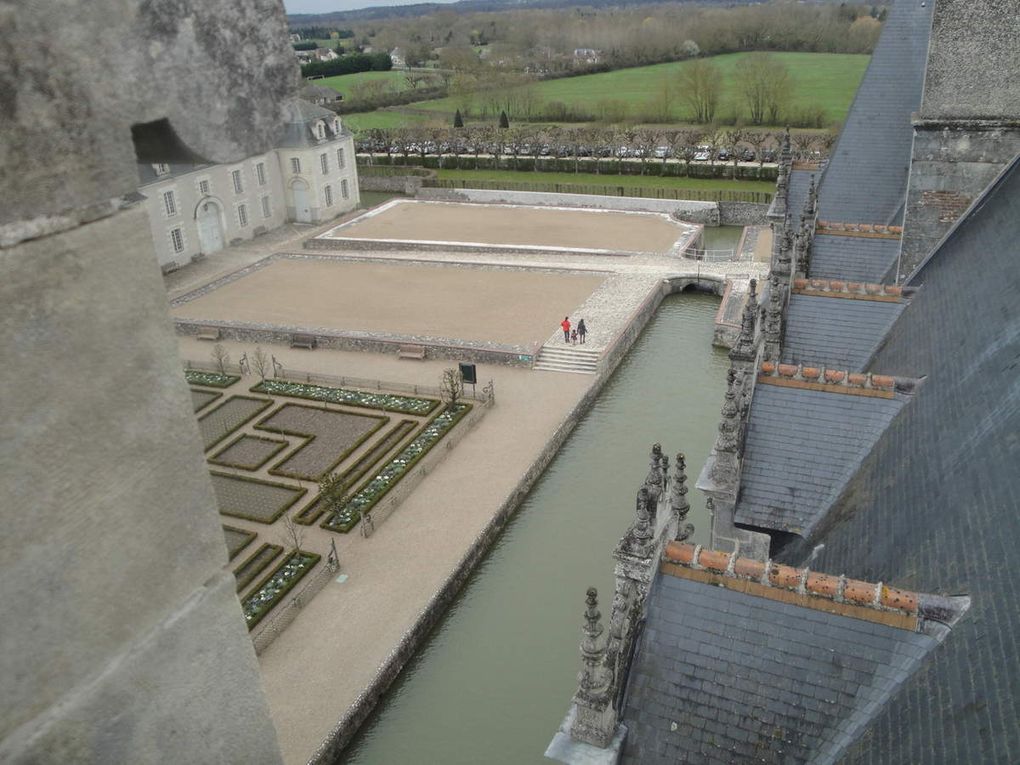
{"x":221,"y":357}
{"x":802,"y":143}
{"x":260,"y":361}
{"x":765,"y":85}
{"x":451,"y":385}
{"x":293,"y":533}
{"x":701,"y":86}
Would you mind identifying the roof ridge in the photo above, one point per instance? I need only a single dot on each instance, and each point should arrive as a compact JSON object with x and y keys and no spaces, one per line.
{"x":834,"y":380}
{"x":865,"y":230}
{"x":842,"y":288}
{"x":871,"y":601}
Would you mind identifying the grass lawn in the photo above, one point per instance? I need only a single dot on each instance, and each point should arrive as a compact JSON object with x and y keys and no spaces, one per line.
{"x":344,"y":82}
{"x":381,"y":118}
{"x":825,"y":80}
{"x":630,"y":181}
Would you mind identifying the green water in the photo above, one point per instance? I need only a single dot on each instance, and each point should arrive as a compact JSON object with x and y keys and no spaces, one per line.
{"x":495,"y":678}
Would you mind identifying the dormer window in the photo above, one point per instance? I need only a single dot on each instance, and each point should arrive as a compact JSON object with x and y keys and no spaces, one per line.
{"x":336,"y":127}
{"x":161,"y":169}
{"x":320,"y":130}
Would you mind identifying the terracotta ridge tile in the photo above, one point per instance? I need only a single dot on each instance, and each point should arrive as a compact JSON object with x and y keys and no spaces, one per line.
{"x":838,"y":288}
{"x":865,"y":230}
{"x":830,"y":380}
{"x":777,"y":576}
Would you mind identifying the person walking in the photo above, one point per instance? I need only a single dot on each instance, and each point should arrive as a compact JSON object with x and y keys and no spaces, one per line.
{"x":573,"y":337}
{"x":581,"y":331}
{"x":565,"y":326}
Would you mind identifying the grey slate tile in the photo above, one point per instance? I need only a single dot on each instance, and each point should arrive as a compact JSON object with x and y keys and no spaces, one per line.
{"x":834,"y":332}
{"x":852,"y":258}
{"x":750,"y":714}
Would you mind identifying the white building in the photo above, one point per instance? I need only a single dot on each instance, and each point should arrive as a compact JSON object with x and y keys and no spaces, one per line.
{"x":311,"y":177}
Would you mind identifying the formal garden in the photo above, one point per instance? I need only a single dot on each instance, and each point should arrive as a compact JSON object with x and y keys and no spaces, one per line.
{"x":295,"y":463}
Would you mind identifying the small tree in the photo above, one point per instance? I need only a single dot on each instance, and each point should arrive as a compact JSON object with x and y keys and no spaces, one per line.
{"x":293,"y":533}
{"x":221,"y":357}
{"x":458,"y":120}
{"x":333,"y":492}
{"x":504,"y":121}
{"x":260,"y":361}
{"x":451,"y":386}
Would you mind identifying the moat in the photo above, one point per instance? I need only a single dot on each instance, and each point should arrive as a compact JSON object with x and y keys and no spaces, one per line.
{"x":495,"y":678}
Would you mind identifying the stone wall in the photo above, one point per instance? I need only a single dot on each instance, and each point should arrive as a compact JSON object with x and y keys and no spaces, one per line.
{"x":396,"y":184}
{"x":706,"y":213}
{"x":742,"y":214}
{"x":123,"y":639}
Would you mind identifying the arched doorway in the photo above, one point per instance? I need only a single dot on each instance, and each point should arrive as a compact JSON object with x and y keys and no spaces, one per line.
{"x":209,"y":220}
{"x":302,"y":201}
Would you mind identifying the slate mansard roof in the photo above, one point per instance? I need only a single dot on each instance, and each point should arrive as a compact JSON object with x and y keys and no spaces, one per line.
{"x":836,"y":332}
{"x":802,"y":447}
{"x":740,"y":661}
{"x":866,"y":178}
{"x":852,"y":258}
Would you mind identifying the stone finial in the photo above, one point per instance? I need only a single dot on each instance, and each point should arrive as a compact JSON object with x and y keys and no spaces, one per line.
{"x":782,"y":264}
{"x":785,"y":153}
{"x":655,"y":481}
{"x":811,"y":200}
{"x":678,"y":500}
{"x":592,"y":678}
{"x":638,"y":540}
{"x":728,"y":426}
{"x":802,"y":252}
{"x":773,"y":321}
{"x":595,"y":722}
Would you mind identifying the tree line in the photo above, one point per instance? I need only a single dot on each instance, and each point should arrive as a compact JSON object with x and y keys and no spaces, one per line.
{"x":348,"y":64}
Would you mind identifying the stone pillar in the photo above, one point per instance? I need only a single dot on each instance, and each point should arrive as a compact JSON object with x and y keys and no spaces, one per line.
{"x":773,"y":333}
{"x":123,"y":636}
{"x":680,"y":506}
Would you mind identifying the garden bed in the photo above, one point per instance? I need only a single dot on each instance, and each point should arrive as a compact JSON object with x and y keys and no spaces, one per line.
{"x":202,"y":398}
{"x":387,"y":402}
{"x":314,"y":510}
{"x":248,"y":452}
{"x":274,"y":587}
{"x":331,"y":437}
{"x":255,"y":564}
{"x":228,"y":417}
{"x":209,"y":379}
{"x":252,"y":499}
{"x":237,"y":539}
{"x":389,"y":476}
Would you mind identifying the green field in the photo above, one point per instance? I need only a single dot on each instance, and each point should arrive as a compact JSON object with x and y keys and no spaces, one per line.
{"x":630,"y":181}
{"x":824,"y":80}
{"x":381,"y":118}
{"x":344,"y":83}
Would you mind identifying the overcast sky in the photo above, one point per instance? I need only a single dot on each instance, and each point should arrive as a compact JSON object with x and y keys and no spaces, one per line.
{"x":326,"y":6}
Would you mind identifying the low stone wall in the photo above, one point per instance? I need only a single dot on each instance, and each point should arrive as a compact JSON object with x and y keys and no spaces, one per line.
{"x":340,"y":341}
{"x":396,"y":184}
{"x":706,"y":213}
{"x":742,"y":214}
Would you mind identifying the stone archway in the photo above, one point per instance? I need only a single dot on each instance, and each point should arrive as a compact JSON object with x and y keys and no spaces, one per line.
{"x":209,"y":220}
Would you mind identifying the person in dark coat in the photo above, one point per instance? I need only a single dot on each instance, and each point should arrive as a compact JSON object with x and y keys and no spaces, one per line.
{"x":581,"y":331}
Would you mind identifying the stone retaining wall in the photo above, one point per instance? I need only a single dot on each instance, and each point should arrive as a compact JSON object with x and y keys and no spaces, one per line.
{"x":742,"y":214}
{"x":706,"y":213}
{"x":397,"y":184}
{"x":339,"y":341}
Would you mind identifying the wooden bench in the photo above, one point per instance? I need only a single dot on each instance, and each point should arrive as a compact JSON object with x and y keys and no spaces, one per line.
{"x":411,"y":352}
{"x":208,"y":333}
{"x":303,"y":341}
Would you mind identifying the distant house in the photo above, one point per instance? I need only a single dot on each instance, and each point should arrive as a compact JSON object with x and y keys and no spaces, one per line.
{"x":309,"y":177}
{"x":319,"y":95}
{"x":587,"y":56}
{"x":398,"y":58}
{"x":295,"y":37}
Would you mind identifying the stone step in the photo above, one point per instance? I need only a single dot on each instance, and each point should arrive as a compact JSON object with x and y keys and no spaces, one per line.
{"x":569,"y":359}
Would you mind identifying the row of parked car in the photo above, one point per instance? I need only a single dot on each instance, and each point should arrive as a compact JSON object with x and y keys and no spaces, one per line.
{"x":701,"y":153}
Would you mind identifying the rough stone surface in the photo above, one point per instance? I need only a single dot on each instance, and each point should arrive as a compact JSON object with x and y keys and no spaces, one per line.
{"x":75,"y":78}
{"x":110,"y":529}
{"x":962,"y":34}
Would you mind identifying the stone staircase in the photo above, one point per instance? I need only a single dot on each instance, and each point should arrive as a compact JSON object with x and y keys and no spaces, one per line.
{"x":567,"y":358}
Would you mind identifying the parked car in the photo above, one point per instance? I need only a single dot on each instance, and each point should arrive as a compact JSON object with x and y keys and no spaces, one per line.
{"x":662,"y":152}
{"x":747,"y":155}
{"x":703,"y":153}
{"x":724,"y":155}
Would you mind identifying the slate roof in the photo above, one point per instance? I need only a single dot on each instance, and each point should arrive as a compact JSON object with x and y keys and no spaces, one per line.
{"x":721,"y":676}
{"x":299,"y":130}
{"x":937,"y":502}
{"x":147,"y":172}
{"x":852,"y":258}
{"x":801,"y":448}
{"x":835,"y":332}
{"x":866,"y":179}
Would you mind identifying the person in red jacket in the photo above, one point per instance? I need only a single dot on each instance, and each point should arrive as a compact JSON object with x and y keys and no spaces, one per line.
{"x":565,"y":324}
